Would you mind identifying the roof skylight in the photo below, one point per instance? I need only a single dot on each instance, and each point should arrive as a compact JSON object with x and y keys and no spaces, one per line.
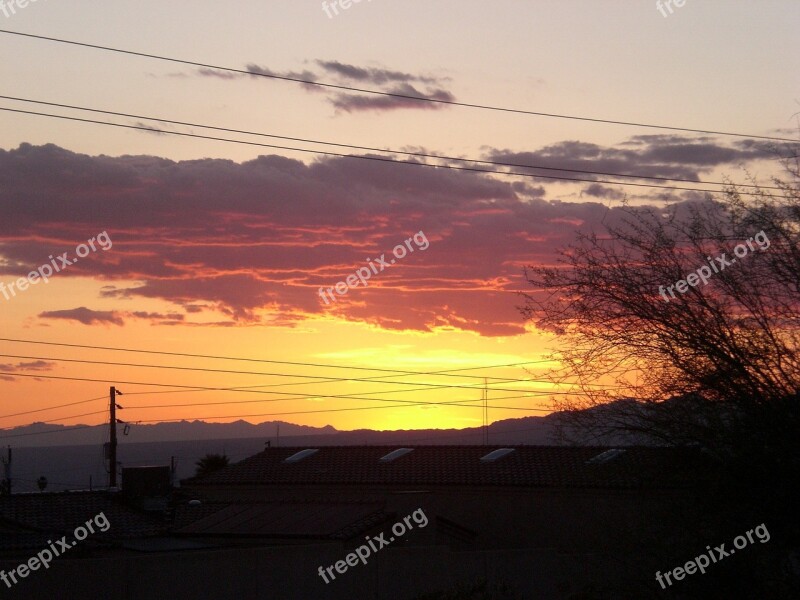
{"x":497,"y":454}
{"x":395,"y":454}
{"x":298,"y":456}
{"x":606,"y":456}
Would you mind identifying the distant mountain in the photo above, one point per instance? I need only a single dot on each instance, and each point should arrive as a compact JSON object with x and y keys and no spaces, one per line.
{"x":73,"y":459}
{"x":528,"y":430}
{"x":45,"y":434}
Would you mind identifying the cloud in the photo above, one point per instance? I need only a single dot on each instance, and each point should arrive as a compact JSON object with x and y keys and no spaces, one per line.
{"x":149,"y":127}
{"x":217,"y":243}
{"x":206,"y":72}
{"x":354,"y":103}
{"x":653,"y":156}
{"x":348,"y":75}
{"x":371,"y":74}
{"x":85,"y":316}
{"x":602,"y":191}
{"x":302,"y":75}
{"x":37,"y":365}
{"x":157,"y":316}
{"x":98,"y":317}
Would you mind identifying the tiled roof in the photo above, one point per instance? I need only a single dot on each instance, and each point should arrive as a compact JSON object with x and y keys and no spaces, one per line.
{"x":28,"y":520}
{"x":331,"y":520}
{"x":529,"y":466}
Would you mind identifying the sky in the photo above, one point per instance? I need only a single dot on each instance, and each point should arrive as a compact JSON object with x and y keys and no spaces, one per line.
{"x":220,"y":247}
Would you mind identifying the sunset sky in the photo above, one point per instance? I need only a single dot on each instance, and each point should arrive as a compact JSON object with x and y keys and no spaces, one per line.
{"x":219,"y":248}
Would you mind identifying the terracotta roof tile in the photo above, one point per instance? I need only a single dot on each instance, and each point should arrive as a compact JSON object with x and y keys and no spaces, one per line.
{"x":31,"y":519}
{"x":331,"y":520}
{"x":529,"y":466}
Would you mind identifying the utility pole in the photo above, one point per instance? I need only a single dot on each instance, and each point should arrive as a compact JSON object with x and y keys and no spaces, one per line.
{"x":112,"y":472}
{"x":6,"y":485}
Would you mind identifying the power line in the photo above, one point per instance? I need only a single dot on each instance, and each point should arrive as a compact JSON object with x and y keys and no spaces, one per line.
{"x":260,"y":373}
{"x":306,"y":412}
{"x":446,"y":373}
{"x":404,"y":404}
{"x":97,"y":412}
{"x":357,"y":396}
{"x":386,"y":150}
{"x":293,"y":396}
{"x":27,"y":412}
{"x":364,"y":157}
{"x":391,"y":94}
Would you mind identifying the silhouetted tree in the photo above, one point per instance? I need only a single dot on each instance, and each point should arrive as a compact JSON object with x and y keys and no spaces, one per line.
{"x":210,"y":463}
{"x":717,"y":365}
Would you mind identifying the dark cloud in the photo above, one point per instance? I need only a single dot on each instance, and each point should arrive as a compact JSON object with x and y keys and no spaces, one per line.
{"x":372,"y":75}
{"x":354,"y":103}
{"x":225,"y":244}
{"x":150,"y":128}
{"x":302,"y":75}
{"x":338,"y":73}
{"x":653,"y":156}
{"x":601,"y":191}
{"x":218,"y":73}
{"x":152,"y":316}
{"x":37,"y":365}
{"x":97,"y":317}
{"x":85,"y":316}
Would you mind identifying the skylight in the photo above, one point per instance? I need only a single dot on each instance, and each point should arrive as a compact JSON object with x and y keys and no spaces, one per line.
{"x":395,"y":454}
{"x":496,"y":454}
{"x":606,"y":456}
{"x":298,"y":456}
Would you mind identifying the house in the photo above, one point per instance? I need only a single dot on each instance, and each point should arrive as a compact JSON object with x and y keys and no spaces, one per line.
{"x":546,"y":522}
{"x":537,"y":506}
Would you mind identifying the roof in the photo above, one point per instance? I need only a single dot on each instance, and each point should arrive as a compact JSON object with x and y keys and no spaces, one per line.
{"x":527,"y":466}
{"x":29,"y":520}
{"x":327,"y":520}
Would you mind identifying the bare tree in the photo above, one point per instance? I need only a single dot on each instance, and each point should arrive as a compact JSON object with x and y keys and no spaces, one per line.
{"x":713,"y":360}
